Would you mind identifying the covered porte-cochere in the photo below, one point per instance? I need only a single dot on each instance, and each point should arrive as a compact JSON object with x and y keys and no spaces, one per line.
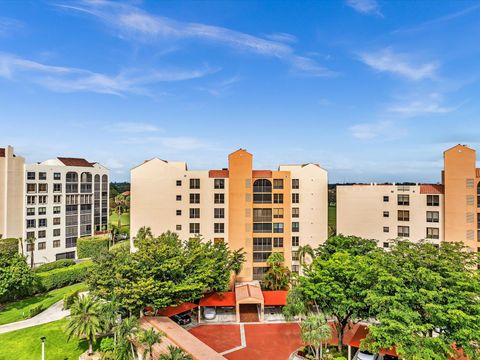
{"x":249,"y":303}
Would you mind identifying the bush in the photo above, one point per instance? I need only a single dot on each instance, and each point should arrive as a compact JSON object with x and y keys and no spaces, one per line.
{"x":123,"y":246}
{"x":16,"y":278}
{"x":340,"y":358}
{"x":34,"y":311}
{"x":9,"y":246}
{"x":54,"y":265}
{"x":69,"y":299}
{"x":62,"y":277}
{"x":88,"y":247}
{"x":107,"y":344}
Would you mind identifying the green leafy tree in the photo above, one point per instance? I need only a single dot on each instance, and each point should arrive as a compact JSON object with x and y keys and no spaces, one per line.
{"x":148,"y":338}
{"x":121,"y":205}
{"x":350,"y":244}
{"x":16,"y":277}
{"x":426,"y":299}
{"x":175,"y":353}
{"x":278,"y":276}
{"x":126,"y":332}
{"x":85,"y":320}
{"x":315,"y":331}
{"x":296,"y":305}
{"x":144,"y":233}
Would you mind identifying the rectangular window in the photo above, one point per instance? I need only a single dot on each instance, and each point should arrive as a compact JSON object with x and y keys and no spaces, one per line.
{"x":30,"y":234}
{"x":218,"y":213}
{"x":56,"y":232}
{"x":30,"y":211}
{"x":295,"y":226}
{"x":31,"y":188}
{"x":295,"y":256}
{"x":30,"y":223}
{"x":42,"y":234}
{"x":57,"y":199}
{"x":218,"y":228}
{"x":178,"y":197}
{"x":219,"y":198}
{"x":295,"y":184}
{"x":42,"y":245}
{"x":262,"y":215}
{"x":194,"y":198}
{"x":178,"y":212}
{"x":403,"y":231}
{"x":386,"y":199}
{"x":386,"y":229}
{"x":433,"y":200}
{"x":262,"y":198}
{"x":433,"y":233}
{"x":295,"y":198}
{"x":194,"y":228}
{"x":30,"y":247}
{"x":386,"y":245}
{"x":296,"y":268}
{"x":30,"y":175}
{"x":278,"y":198}
{"x":278,"y":242}
{"x":42,"y":210}
{"x":179,"y":182}
{"x":57,"y":187}
{"x":278,"y":227}
{"x":70,"y":242}
{"x":386,"y":214}
{"x":295,"y":241}
{"x":42,"y":188}
{"x":194,"y":183}
{"x":42,"y":199}
{"x":262,"y":244}
{"x":262,"y":227}
{"x":433,"y":216}
{"x":42,"y":176}
{"x":295,"y":212}
{"x":56,"y":243}
{"x":178,"y":227}
{"x":278,"y":213}
{"x":42,"y":222}
{"x":403,"y":215}
{"x":31,"y":200}
{"x":56,"y":176}
{"x":403,"y":199}
{"x":219,"y":183}
{"x":194,"y":213}
{"x":57,"y":209}
{"x":278,"y":183}
{"x":56,"y":221}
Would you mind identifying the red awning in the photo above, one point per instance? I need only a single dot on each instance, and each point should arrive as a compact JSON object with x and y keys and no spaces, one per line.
{"x":357,"y":333}
{"x":174,"y":310}
{"x":275,"y":298}
{"x":219,"y":299}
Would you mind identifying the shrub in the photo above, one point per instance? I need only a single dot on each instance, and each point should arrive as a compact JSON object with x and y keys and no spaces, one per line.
{"x":62,"y":277}
{"x":9,"y":246}
{"x":55,"y":265}
{"x":107,"y":344}
{"x":33,"y":311}
{"x":340,"y":358}
{"x":68,"y":299}
{"x":16,"y":278}
{"x":123,"y":246}
{"x":88,"y":247}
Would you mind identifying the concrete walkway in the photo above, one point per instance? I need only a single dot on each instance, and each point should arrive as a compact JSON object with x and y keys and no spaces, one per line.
{"x":53,"y":313}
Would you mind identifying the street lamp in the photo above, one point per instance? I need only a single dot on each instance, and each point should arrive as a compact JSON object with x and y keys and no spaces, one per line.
{"x":43,"y":338}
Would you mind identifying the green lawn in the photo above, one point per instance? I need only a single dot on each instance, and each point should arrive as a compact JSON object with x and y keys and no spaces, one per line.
{"x":125,"y":220}
{"x":26,"y":344}
{"x":332,"y":216}
{"x":14,"y":311}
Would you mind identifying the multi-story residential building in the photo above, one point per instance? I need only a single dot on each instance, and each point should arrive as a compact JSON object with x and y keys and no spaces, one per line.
{"x":55,"y":202}
{"x":443,"y":212}
{"x":261,"y":211}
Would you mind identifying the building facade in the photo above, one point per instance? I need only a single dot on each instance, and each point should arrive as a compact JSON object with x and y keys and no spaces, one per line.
{"x":54,"y":202}
{"x":442,"y":212}
{"x":261,"y":211}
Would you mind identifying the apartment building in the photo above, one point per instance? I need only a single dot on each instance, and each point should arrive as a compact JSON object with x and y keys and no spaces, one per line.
{"x":438,"y":212}
{"x":55,"y":202}
{"x":261,"y":211}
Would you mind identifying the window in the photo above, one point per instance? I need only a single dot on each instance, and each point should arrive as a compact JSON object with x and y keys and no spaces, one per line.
{"x":219,"y":198}
{"x":179,"y":197}
{"x":56,"y":176}
{"x":219,"y":213}
{"x":56,"y":221}
{"x":386,"y":245}
{"x":57,"y":209}
{"x":278,"y":183}
{"x":262,"y":215}
{"x":30,"y":234}
{"x":262,"y":186}
{"x":42,"y":176}
{"x":30,"y":211}
{"x":386,"y":214}
{"x":65,"y":255}
{"x":403,"y":199}
{"x":295,"y":184}
{"x":295,"y":198}
{"x":262,"y":248}
{"x":403,"y":231}
{"x":262,"y":198}
{"x":386,"y":199}
{"x":218,"y":240}
{"x":194,"y":183}
{"x":219,"y":183}
{"x":278,"y":227}
{"x":278,"y":213}
{"x":70,"y":242}
{"x":218,"y":228}
{"x":42,"y":210}
{"x":295,"y":241}
{"x":295,"y":256}
{"x":179,"y":212}
{"x":178,"y":227}
{"x":57,"y":199}
{"x":262,"y":227}
{"x":30,"y":247}
{"x":469,"y":183}
{"x":194,"y":228}
{"x":295,"y":226}
{"x":42,"y":199}
{"x":433,"y":216}
{"x":42,"y":245}
{"x":179,"y":182}
{"x":259,"y":272}
{"x":30,"y":175}
{"x":433,"y":200}
{"x":278,"y":242}
{"x":470,"y":200}
{"x":295,"y":212}
{"x":296,"y":268}
{"x":57,"y":187}
{"x":30,"y":223}
{"x":386,"y":229}
{"x":42,"y":234}
{"x":42,"y":222}
{"x":42,"y":188}
{"x":433,"y":233}
{"x":56,"y":243}
{"x":31,"y":200}
{"x":31,"y":188}
{"x":403,"y":215}
{"x":56,"y":232}
{"x":278,"y":198}
{"x":194,"y":198}
{"x":194,"y":213}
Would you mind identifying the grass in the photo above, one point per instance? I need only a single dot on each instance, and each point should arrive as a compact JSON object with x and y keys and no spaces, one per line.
{"x":26,"y":343}
{"x":14,"y":311}
{"x":332,"y":216}
{"x":125,"y":220}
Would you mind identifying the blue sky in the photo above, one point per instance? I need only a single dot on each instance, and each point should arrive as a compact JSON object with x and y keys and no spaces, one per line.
{"x":371,"y":90}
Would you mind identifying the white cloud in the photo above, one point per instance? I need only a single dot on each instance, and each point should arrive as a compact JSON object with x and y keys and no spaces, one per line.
{"x":282,"y":37}
{"x":133,"y":127}
{"x":428,"y":104}
{"x":364,"y":6}
{"x":386,"y":129}
{"x":134,"y":23}
{"x":387,"y":61}
{"x":8,"y":26}
{"x":70,"y":79}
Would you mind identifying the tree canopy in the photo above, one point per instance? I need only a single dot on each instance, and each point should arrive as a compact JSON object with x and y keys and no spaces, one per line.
{"x":16,"y":277}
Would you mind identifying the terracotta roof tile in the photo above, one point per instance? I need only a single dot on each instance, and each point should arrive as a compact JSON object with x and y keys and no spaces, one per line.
{"x":431,"y":189}
{"x":75,"y":162}
{"x":2,"y":152}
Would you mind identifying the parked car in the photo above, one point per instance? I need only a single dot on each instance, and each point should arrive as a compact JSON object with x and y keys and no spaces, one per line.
{"x":209,"y":312}
{"x":182,"y":319}
{"x":363,"y":355}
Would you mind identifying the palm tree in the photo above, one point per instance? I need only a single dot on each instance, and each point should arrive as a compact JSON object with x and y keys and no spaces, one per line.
{"x":236,"y":260}
{"x":175,"y":353}
{"x":145,"y":232}
{"x":126,"y":332}
{"x":31,"y":244}
{"x":85,"y":320}
{"x":303,"y":251}
{"x":148,"y":338}
{"x":314,"y":332}
{"x":109,"y":317}
{"x":278,"y":276}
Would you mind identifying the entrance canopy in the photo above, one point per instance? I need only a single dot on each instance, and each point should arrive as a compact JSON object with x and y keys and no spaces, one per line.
{"x":248,"y":294}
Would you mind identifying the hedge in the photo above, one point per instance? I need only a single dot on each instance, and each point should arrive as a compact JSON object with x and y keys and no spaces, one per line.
{"x":69,"y":299}
{"x":123,"y":246}
{"x":9,"y":246}
{"x":88,"y":247}
{"x":54,"y":265}
{"x":62,"y":277}
{"x":34,"y":311}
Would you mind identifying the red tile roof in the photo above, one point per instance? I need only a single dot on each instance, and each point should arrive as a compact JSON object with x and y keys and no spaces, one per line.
{"x":275,"y":298}
{"x":219,"y":299}
{"x":174,"y":310}
{"x":2,"y":152}
{"x":218,"y":173}
{"x":75,"y":162}
{"x":262,"y":173}
{"x":354,"y":335}
{"x":431,"y":189}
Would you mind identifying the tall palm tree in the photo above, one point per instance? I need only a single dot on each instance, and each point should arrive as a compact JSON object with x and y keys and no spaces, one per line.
{"x":315,"y":331}
{"x":148,"y":338}
{"x":175,"y":353}
{"x":236,"y":259}
{"x":278,"y":276}
{"x":109,"y":317}
{"x":85,"y":320}
{"x":126,"y":332}
{"x":145,"y":232}
{"x":303,"y":252}
{"x":31,"y":243}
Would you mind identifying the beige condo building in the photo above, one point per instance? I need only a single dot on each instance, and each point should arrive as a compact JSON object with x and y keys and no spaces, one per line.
{"x":261,"y":211}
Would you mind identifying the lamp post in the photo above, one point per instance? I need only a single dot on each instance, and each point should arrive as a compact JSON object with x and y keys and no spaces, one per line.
{"x":43,"y":338}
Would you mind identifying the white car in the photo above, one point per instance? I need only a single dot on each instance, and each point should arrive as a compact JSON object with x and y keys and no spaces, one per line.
{"x":364,"y":356}
{"x":209,"y":312}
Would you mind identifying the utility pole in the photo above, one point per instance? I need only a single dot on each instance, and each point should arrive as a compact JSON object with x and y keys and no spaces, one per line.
{"x":43,"y":338}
